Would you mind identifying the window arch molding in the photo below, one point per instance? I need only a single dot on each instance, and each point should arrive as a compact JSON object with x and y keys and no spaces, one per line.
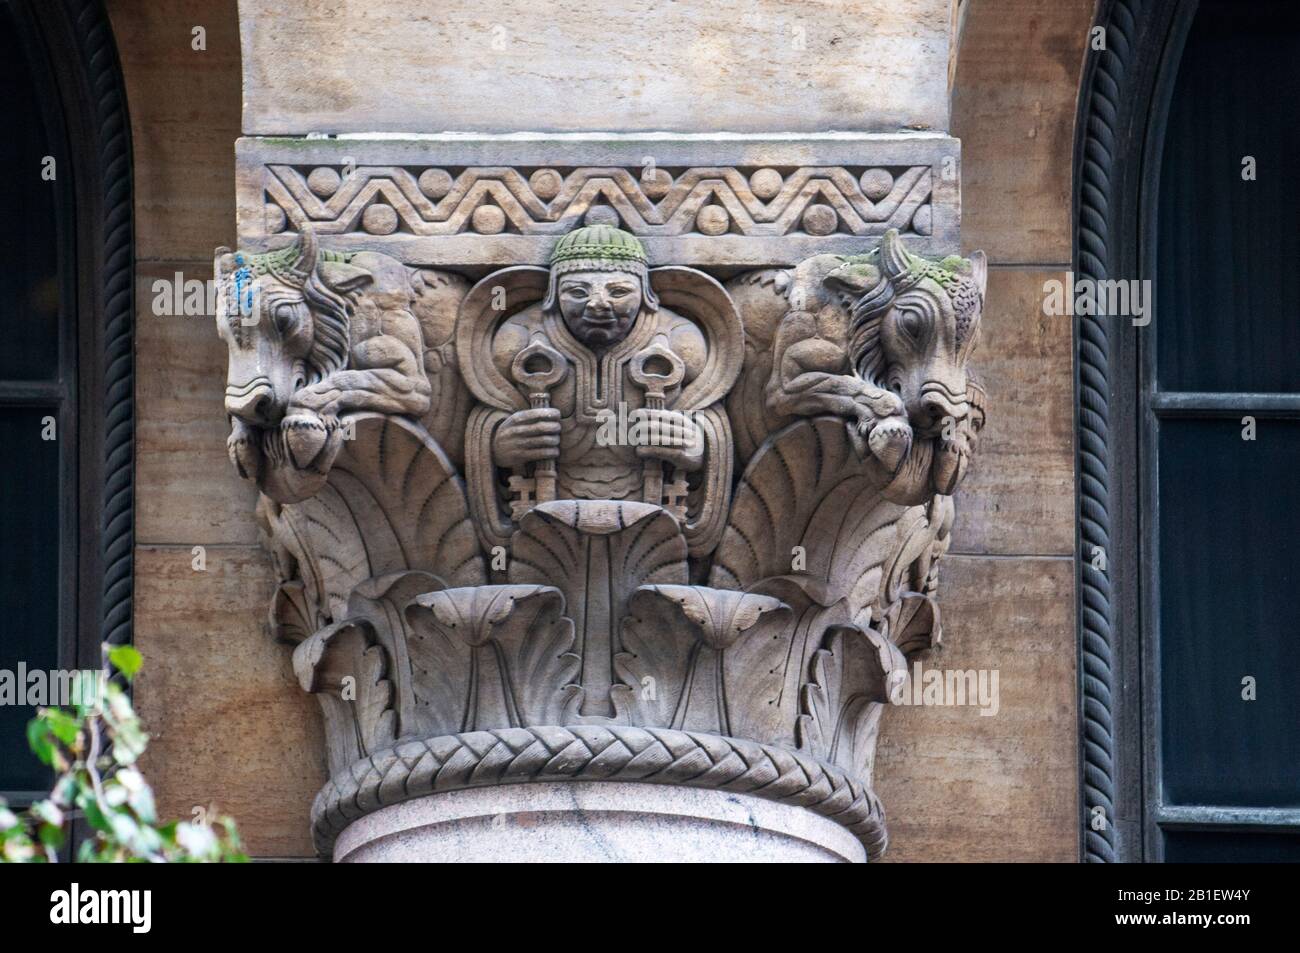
{"x":1123,"y":103}
{"x":79,"y":42}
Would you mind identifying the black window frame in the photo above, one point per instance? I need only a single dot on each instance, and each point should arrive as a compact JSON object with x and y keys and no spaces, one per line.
{"x":96,"y":392}
{"x":1123,"y":106}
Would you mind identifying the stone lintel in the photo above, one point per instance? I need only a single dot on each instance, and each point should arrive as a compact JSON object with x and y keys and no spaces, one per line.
{"x":690,"y":66}
{"x":733,"y":201}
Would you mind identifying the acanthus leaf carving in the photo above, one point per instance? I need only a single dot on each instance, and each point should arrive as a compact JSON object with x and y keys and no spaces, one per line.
{"x":345,"y":667}
{"x":678,"y":658}
{"x":853,"y":676}
{"x":509,"y":647}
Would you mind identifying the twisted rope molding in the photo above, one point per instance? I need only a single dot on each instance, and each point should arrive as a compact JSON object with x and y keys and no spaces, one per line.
{"x":94,"y":37}
{"x":596,"y":753}
{"x":1100,"y":101}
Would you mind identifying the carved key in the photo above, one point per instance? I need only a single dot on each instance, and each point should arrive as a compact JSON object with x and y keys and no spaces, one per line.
{"x":538,"y":368}
{"x":656,"y":370}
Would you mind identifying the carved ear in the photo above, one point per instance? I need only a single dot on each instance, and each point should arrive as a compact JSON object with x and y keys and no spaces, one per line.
{"x":856,"y":279}
{"x":307,"y":251}
{"x":980,"y":270}
{"x":223,"y":262}
{"x":343,"y":277}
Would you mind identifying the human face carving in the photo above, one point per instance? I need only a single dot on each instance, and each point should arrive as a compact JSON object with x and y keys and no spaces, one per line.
{"x":599,"y":307}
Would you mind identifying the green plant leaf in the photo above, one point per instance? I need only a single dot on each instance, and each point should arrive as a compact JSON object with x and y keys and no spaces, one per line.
{"x":51,"y":836}
{"x":120,"y":809}
{"x":40,"y":740}
{"x":48,"y":812}
{"x":125,"y":659}
{"x":64,"y":726}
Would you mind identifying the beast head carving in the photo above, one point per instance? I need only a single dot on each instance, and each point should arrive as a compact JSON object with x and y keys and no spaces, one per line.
{"x":284,"y":318}
{"x":883,"y":340}
{"x":312,"y":334}
{"x":913,"y":325}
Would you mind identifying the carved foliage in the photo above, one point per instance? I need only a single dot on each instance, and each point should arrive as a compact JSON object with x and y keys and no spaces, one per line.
{"x":852,"y":677}
{"x":501,"y":656}
{"x":391,"y":502}
{"x":682,"y":660}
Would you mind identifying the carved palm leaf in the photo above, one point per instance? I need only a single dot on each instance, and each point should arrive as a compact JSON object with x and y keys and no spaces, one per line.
{"x":645,"y":545}
{"x":597,"y":553}
{"x":393,"y":502}
{"x":491,"y":657}
{"x":808,"y":502}
{"x":684,"y":663}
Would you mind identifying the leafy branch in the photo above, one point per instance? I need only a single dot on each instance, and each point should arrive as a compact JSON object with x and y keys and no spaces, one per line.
{"x":93,"y":749}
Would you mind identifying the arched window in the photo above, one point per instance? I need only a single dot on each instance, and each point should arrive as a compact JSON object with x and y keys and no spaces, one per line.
{"x":65,"y":359}
{"x":1189,"y":433}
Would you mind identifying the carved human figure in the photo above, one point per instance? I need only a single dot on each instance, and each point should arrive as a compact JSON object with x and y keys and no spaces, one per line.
{"x":602,"y":364}
{"x":607,"y":313}
{"x":648,"y":602}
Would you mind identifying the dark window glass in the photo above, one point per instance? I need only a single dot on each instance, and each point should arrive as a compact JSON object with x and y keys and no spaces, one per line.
{"x":29,"y":577}
{"x":1261,"y":847}
{"x":1229,"y":301}
{"x":29,"y":280}
{"x":1229,"y":608}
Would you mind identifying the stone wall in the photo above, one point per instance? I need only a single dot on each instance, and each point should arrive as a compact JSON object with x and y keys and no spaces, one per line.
{"x":229,"y":724}
{"x":722,"y":66}
{"x":961,"y":786}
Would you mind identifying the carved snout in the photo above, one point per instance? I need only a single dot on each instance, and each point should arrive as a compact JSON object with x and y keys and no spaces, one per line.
{"x":935,"y":403}
{"x":252,"y":402}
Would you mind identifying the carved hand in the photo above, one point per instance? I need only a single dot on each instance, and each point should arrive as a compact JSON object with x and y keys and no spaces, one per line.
{"x":672,"y":437}
{"x":873,"y":404}
{"x":527,"y":436}
{"x":890,"y":441}
{"x":244,"y":447}
{"x":312,"y":441}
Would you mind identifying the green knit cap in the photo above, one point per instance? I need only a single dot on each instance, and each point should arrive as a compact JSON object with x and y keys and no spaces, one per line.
{"x":600,"y":248}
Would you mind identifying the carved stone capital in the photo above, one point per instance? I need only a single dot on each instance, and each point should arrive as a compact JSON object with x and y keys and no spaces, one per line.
{"x":592,"y":505}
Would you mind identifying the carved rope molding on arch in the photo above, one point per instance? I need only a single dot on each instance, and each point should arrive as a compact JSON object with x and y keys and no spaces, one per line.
{"x":81,"y":38}
{"x":116,"y":353}
{"x":1115,"y":109}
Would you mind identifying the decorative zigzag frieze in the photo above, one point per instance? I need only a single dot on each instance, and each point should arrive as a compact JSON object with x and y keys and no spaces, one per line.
{"x":460,"y":202}
{"x":710,"y":200}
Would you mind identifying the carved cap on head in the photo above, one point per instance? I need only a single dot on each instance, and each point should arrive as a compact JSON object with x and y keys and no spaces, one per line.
{"x":600,"y":248}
